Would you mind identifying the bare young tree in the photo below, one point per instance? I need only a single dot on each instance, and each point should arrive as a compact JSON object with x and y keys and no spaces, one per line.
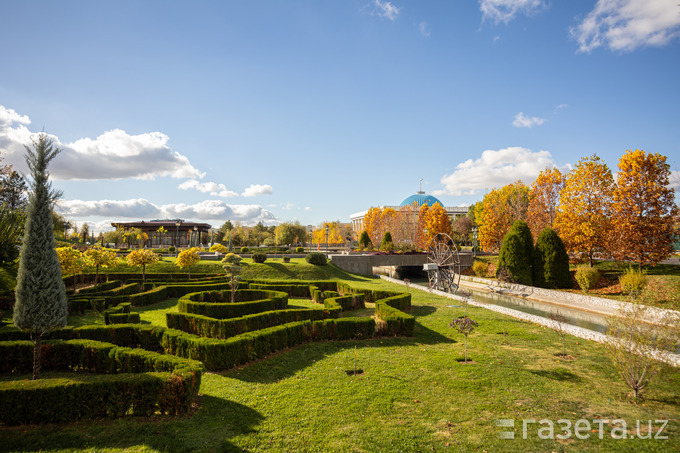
{"x":636,"y":342}
{"x":465,"y":326}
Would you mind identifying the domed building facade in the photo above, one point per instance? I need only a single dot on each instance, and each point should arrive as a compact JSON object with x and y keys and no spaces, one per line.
{"x":417,"y":200}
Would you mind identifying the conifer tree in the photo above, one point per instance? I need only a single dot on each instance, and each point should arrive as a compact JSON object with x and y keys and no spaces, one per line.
{"x":517,"y":253}
{"x":551,"y":261}
{"x":40,"y":293}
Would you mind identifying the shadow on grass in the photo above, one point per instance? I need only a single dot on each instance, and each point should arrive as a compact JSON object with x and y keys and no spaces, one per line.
{"x":209,"y":429}
{"x":557,"y":374}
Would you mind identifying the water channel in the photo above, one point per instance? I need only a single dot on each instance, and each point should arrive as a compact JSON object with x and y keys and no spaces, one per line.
{"x":585,"y":319}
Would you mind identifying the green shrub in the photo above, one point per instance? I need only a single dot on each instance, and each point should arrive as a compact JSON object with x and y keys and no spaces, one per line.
{"x":633,"y":281}
{"x":299,"y":249}
{"x":171,"y":248}
{"x":387,"y":245}
{"x":123,"y":318}
{"x":481,"y":268}
{"x":551,"y":261}
{"x":586,"y":277}
{"x":365,"y":240}
{"x":316,"y":258}
{"x":259,"y":257}
{"x":516,"y":254}
{"x":244,"y":249}
{"x":286,"y":259}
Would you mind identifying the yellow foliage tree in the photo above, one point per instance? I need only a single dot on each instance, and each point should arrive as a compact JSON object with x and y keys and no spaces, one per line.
{"x":71,"y":262}
{"x":585,"y":204}
{"x":142,"y":257}
{"x":372,"y":224}
{"x":421,"y":237}
{"x":643,"y":209}
{"x":499,"y":209}
{"x":436,"y":221}
{"x":336,"y":233}
{"x":543,"y":197}
{"x":99,"y":257}
{"x":188,"y":258}
{"x":404,"y":227}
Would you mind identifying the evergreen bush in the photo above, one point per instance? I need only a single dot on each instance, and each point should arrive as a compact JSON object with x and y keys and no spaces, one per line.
{"x":364,"y":240}
{"x":316,"y":258}
{"x":299,"y":249}
{"x":517,"y":253}
{"x":551,"y":261}
{"x":387,"y":244}
{"x":259,"y":257}
{"x":244,"y":249}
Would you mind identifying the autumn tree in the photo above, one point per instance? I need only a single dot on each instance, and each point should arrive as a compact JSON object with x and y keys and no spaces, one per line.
{"x":142,"y":257}
{"x":421,"y":236}
{"x":372,"y":224}
{"x":436,"y":221}
{"x":585,"y":203}
{"x":404,"y":227}
{"x":71,"y":261}
{"x":462,"y":228}
{"x":499,"y":209}
{"x":188,"y":258}
{"x":543,"y":198}
{"x":40,"y":297}
{"x":643,"y":209}
{"x":337,"y":233}
{"x":99,"y":257}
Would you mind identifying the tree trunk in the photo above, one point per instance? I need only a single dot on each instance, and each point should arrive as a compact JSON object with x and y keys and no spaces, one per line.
{"x":465,"y":348}
{"x":36,"y":356}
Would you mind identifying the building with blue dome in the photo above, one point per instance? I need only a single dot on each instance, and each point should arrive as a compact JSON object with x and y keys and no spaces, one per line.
{"x":416,"y":200}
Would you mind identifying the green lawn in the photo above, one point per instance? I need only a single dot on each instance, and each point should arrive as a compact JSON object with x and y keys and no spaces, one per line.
{"x":413,"y":394}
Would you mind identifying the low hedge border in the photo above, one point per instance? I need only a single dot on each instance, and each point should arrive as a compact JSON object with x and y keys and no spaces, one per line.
{"x":215,"y":304}
{"x":136,"y":382}
{"x":204,"y":326}
{"x":112,"y":284}
{"x":393,"y":321}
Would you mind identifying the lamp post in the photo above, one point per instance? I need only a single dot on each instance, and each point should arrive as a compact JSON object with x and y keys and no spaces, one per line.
{"x":310,"y":242}
{"x":177,"y":224}
{"x":474,"y":242}
{"x":196,"y":237}
{"x":326,"y":240}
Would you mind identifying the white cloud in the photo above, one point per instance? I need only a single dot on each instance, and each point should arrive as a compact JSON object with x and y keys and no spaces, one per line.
{"x":288,"y":206}
{"x":506,"y":10}
{"x":522,"y":120}
{"x":213,"y":188}
{"x":257,"y":189}
{"x":143,"y":209}
{"x":495,"y":168}
{"x":308,"y":208}
{"x":625,"y":25}
{"x":424,"y":29}
{"x":386,"y":10}
{"x":113,"y":155}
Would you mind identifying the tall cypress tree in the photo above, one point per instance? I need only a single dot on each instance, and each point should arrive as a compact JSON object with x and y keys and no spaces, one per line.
{"x":40,"y":304}
{"x":517,"y":253}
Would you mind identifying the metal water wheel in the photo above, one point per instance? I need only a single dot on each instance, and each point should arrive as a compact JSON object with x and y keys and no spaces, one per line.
{"x":443,"y":263}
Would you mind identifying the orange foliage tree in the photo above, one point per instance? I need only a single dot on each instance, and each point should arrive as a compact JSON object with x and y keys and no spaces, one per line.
{"x":337,"y":233}
{"x":543,"y":197}
{"x":499,"y":209}
{"x":372,"y":224}
{"x":436,"y":221}
{"x":421,"y":239}
{"x":585,"y":202}
{"x":643,"y":209}
{"x":404,"y":228}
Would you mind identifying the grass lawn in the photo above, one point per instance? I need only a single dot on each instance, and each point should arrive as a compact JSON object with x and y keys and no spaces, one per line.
{"x":412,"y":394}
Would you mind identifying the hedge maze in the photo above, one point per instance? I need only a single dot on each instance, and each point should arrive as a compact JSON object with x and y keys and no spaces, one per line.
{"x":129,"y":368}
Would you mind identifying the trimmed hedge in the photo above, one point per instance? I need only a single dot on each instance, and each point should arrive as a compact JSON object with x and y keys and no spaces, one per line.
{"x":394,"y":321}
{"x":215,"y":304}
{"x":162,"y":383}
{"x":226,"y":328}
{"x":101,"y":287}
{"x":124,"y":318}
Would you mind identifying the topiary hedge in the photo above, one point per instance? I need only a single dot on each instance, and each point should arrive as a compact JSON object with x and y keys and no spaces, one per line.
{"x":259,"y":257}
{"x":516,"y":255}
{"x":316,"y":258}
{"x":130,"y":381}
{"x":216,"y":304}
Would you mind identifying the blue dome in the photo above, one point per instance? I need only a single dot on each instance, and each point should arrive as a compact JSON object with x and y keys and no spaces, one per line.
{"x":420,"y":199}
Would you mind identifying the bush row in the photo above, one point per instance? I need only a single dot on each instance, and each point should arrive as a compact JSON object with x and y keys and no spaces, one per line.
{"x":393,"y":321}
{"x":112,"y":284}
{"x":160,"y":382}
{"x":214,"y":304}
{"x":225,"y":328}
{"x":225,"y":354}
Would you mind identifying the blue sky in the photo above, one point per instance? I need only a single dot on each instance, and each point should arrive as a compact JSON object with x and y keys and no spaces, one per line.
{"x":312,"y":110}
